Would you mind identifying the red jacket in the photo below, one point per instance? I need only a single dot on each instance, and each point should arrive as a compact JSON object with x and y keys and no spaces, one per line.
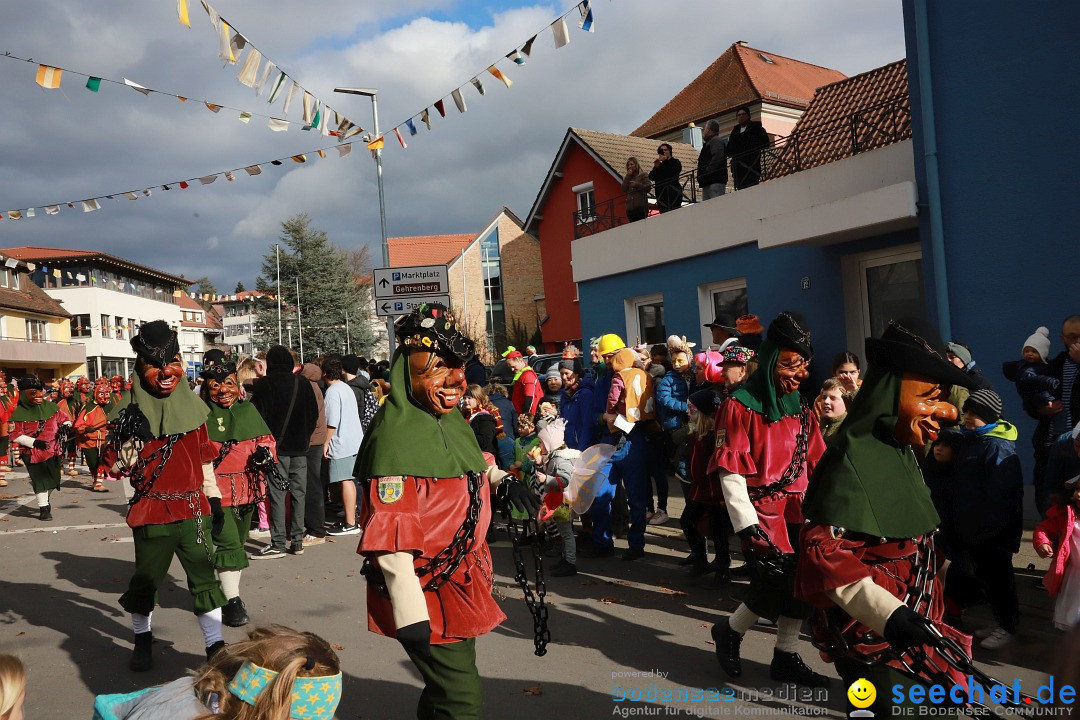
{"x":527,"y":392}
{"x":238,"y":484}
{"x":40,"y":430}
{"x":1056,"y":531}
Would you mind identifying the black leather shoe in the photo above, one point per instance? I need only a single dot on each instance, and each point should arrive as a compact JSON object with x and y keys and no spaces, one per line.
{"x":234,"y":614}
{"x":213,"y":649}
{"x":633,"y":554}
{"x":142,"y":657}
{"x":727,"y":648}
{"x":45,"y":512}
{"x":789,"y":667}
{"x":694,"y":558}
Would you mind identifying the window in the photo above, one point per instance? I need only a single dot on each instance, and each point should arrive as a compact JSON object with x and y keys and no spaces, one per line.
{"x":14,"y":280}
{"x":5,"y":277}
{"x":726,"y":297}
{"x":645,"y":320}
{"x":586,"y":202}
{"x":80,"y":326}
{"x":104,"y":326}
{"x":36,"y":330}
{"x":118,"y":328}
{"x":879,"y":287}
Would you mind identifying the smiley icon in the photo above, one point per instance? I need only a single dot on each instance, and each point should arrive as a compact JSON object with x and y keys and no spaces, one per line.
{"x":862,"y":693}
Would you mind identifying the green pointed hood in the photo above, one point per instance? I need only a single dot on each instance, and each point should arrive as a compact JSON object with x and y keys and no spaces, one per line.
{"x":866,"y":482}
{"x":405,"y":439}
{"x":26,"y":411}
{"x":759,"y":392}
{"x":180,"y":412}
{"x":241,"y":421}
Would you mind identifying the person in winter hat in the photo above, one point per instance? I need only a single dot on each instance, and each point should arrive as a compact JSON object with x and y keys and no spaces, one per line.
{"x":1035,"y":381}
{"x":555,"y":468}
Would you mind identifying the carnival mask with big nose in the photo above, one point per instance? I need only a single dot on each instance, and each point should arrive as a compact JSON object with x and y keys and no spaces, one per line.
{"x":224,"y":393}
{"x":102,"y":393}
{"x":438,"y":382}
{"x":161,"y":380}
{"x":67,"y":389}
{"x":923,"y":407}
{"x":83,"y":385}
{"x":791,"y":369}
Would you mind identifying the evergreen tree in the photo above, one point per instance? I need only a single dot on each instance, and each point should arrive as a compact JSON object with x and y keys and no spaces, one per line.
{"x":239,"y":287}
{"x":327,"y":290}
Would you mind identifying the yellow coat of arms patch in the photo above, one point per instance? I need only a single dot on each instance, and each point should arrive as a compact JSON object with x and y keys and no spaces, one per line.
{"x":391,"y":489}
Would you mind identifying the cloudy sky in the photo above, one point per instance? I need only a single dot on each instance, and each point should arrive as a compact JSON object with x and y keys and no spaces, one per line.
{"x":71,"y":144}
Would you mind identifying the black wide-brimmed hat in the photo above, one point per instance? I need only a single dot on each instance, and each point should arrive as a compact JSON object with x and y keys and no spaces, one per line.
{"x":789,"y":330}
{"x":724,"y":322}
{"x":157,"y":342}
{"x":914,"y":345}
{"x":30,"y":382}
{"x":215,"y":367}
{"x":432,"y":328}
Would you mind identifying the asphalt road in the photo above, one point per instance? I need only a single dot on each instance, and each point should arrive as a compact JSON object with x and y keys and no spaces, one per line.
{"x":619,"y":629}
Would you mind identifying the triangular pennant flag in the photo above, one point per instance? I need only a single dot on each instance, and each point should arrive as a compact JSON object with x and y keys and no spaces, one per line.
{"x":560,"y":32}
{"x":426,"y":117}
{"x":344,"y":150}
{"x":93,"y":84}
{"x":90,"y":205}
{"x":182,"y":12}
{"x":526,"y":49}
{"x":29,"y":212}
{"x":208,"y":179}
{"x":245,"y":117}
{"x":181,"y":98}
{"x":586,"y":23}
{"x":131,"y":196}
{"x":183,"y":185}
{"x":238,"y":42}
{"x":400,"y":139}
{"x":250,"y":68}
{"x":275,"y":162}
{"x":412,"y":126}
{"x":478,"y":85}
{"x":71,"y":205}
{"x":49,"y":77}
{"x":14,"y":215}
{"x":275,"y":89}
{"x":260,"y":86}
{"x":343,"y":127}
{"x":224,"y":45}
{"x":320,"y":153}
{"x":288,"y":98}
{"x":56,"y":273}
{"x":147,"y":192}
{"x":459,"y":100}
{"x":355,"y":130}
{"x":52,"y":210}
{"x":253,"y":169}
{"x":441,"y":108}
{"x":517,"y":57}
{"x":278,"y":125}
{"x":309,"y":107}
{"x":137,"y":86}
{"x":211,"y":106}
{"x":215,"y":19}
{"x":376,"y":144}
{"x":498,"y":74}
{"x":229,"y":176}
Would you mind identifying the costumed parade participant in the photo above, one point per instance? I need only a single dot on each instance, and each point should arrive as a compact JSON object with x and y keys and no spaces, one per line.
{"x":8,"y":402}
{"x":158,"y":439}
{"x":39,"y":428}
{"x":869,"y":561}
{"x":69,"y":404}
{"x":767,"y":445}
{"x":426,"y":516}
{"x":91,"y":431}
{"x":244,"y":451}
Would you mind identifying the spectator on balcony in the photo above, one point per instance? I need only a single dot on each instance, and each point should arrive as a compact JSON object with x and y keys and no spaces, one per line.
{"x":636,"y":185}
{"x":744,"y":147}
{"x":665,"y":176}
{"x":712,"y":162}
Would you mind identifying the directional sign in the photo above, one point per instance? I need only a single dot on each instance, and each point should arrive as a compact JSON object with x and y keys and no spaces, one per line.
{"x":405,"y":305}
{"x":417,"y":280}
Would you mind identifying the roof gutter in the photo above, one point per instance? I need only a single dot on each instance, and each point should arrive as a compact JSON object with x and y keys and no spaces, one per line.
{"x":933,"y":180}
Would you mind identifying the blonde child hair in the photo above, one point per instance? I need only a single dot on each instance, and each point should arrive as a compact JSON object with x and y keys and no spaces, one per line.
{"x":701,"y":424}
{"x":12,"y":686}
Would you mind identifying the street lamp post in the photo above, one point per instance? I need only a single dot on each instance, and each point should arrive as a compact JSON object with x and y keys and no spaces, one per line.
{"x":373,"y":93}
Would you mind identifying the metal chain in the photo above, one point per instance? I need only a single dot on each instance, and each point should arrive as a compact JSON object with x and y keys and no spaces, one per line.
{"x":446,"y":562}
{"x":798,"y":459}
{"x":527,"y":532}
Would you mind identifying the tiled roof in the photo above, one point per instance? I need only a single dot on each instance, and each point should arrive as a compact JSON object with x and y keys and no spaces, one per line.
{"x":44,"y":254}
{"x":426,"y":249}
{"x":30,"y":298}
{"x":741,"y":76}
{"x":860,"y":113}
{"x":614,"y":149}
{"x":187,"y":303}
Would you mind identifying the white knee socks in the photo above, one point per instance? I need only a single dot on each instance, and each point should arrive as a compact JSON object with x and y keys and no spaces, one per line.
{"x":140,"y":623}
{"x":742,"y":619}
{"x":230,"y":583}
{"x":42,"y":498}
{"x":210,"y":623}
{"x":787,"y":634}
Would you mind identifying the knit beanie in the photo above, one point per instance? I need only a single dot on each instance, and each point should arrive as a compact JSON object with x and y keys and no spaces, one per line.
{"x":704,"y":401}
{"x":986,"y":404}
{"x":552,"y":373}
{"x":1040,"y":340}
{"x":961,"y":352}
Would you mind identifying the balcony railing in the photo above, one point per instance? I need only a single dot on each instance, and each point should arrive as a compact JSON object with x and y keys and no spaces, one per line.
{"x":866,"y":129}
{"x":33,"y":351}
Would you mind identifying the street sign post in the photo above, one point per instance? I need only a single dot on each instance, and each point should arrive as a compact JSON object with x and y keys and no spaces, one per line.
{"x":417,"y":280}
{"x":387,"y":307}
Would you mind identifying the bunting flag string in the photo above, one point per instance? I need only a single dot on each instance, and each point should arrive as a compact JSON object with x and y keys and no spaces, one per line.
{"x":232,"y":43}
{"x":92,"y":204}
{"x":561,"y":35}
{"x":50,"y":76}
